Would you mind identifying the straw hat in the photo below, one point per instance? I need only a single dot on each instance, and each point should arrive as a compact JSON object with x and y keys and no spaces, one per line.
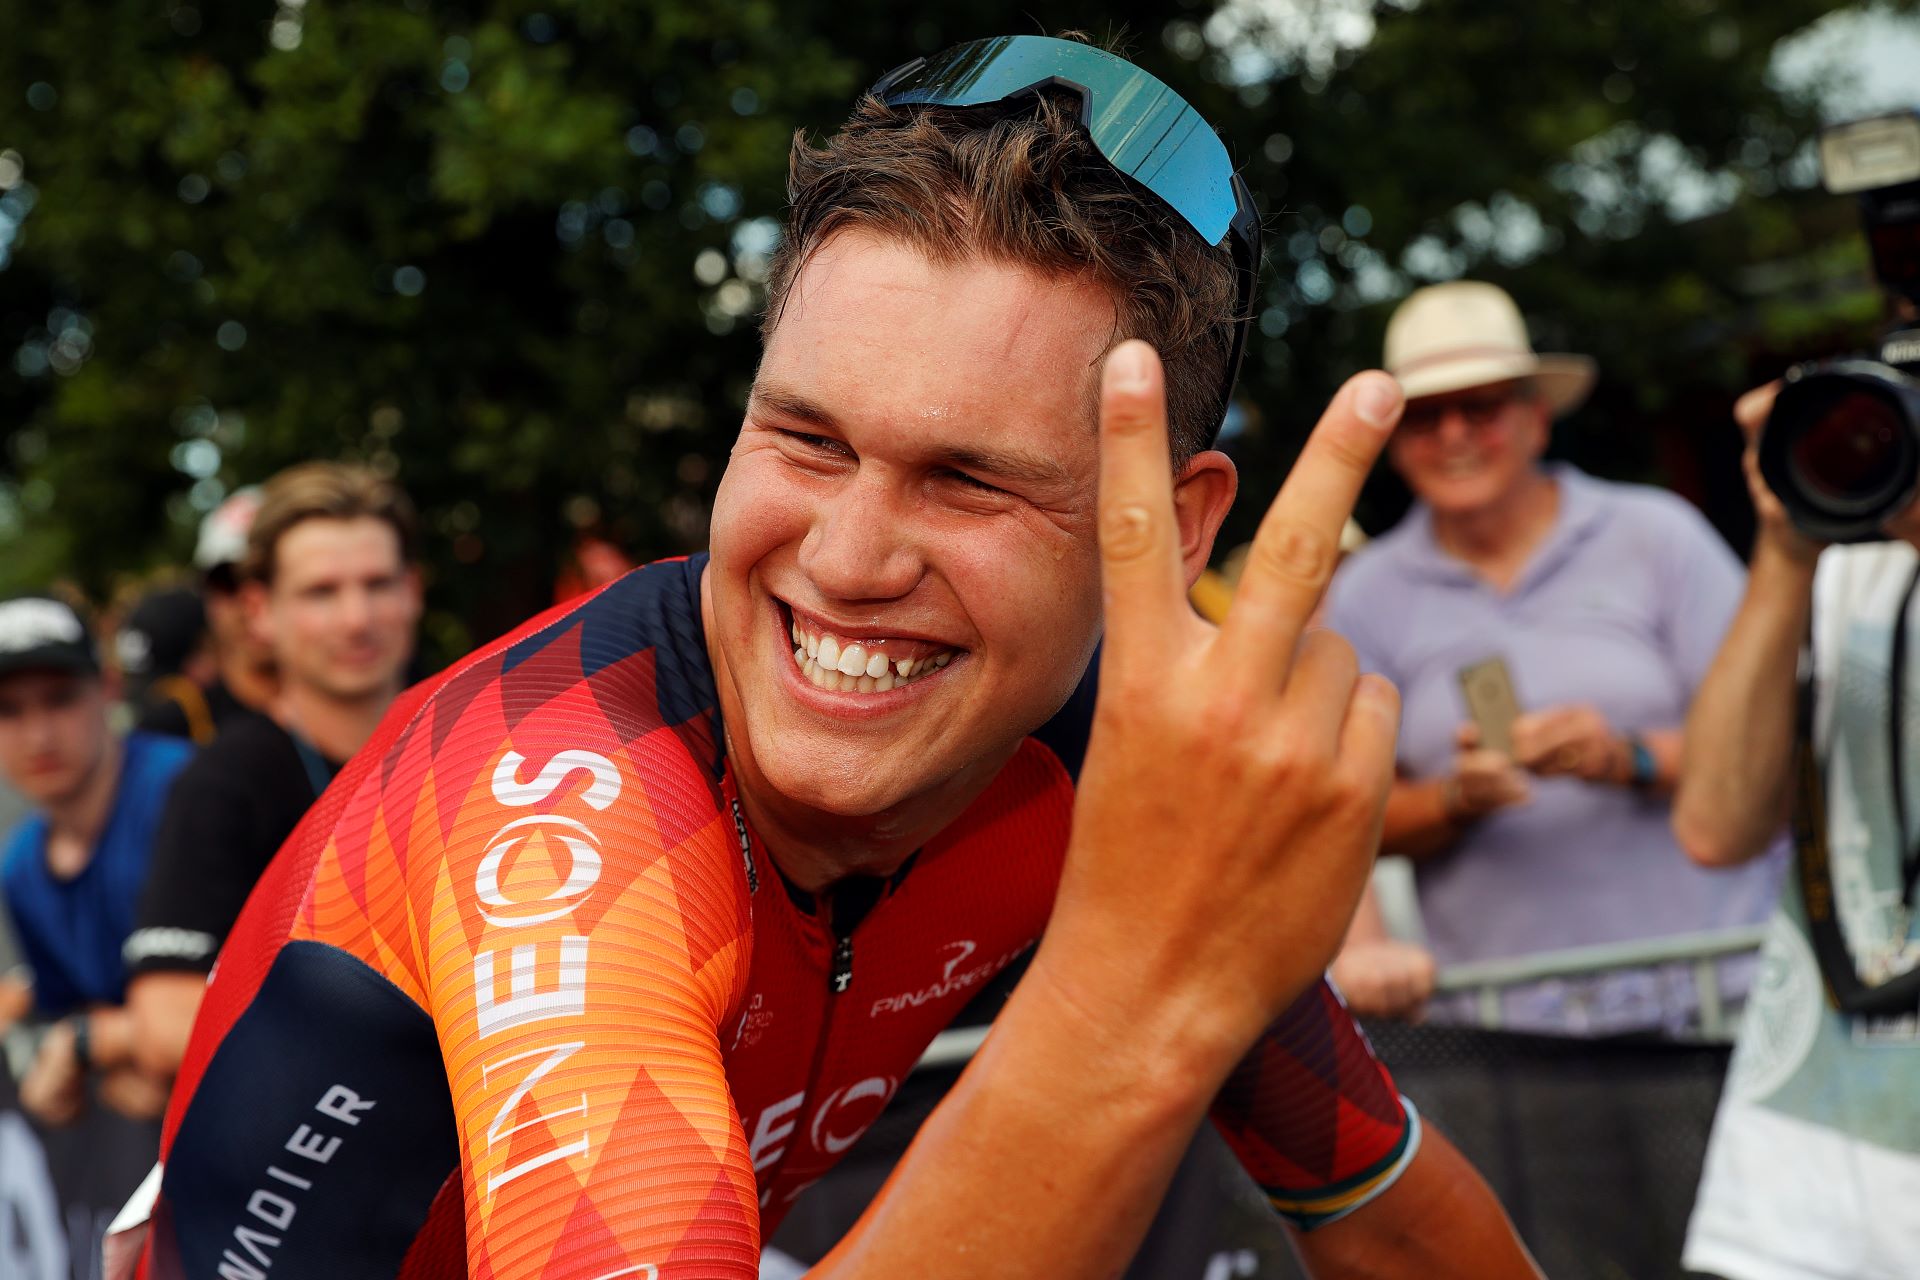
{"x":1448,"y":337}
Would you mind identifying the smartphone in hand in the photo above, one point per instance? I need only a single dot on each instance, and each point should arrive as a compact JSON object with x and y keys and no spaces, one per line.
{"x":1491,"y":703}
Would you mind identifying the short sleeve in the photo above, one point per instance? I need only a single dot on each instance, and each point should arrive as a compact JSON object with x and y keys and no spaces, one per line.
{"x":1314,"y":1116}
{"x":53,"y":995}
{"x":203,"y":867}
{"x":581,"y":947}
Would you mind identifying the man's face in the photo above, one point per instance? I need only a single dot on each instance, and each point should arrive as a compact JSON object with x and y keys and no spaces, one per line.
{"x":339,"y":614}
{"x":1463,"y":451}
{"x":53,"y":732}
{"x":912,"y":489}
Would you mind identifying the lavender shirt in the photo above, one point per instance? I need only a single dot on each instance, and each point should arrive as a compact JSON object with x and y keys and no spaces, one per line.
{"x":1622,"y":607}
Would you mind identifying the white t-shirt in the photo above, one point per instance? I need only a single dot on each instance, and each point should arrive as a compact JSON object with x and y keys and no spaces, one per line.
{"x":1814,"y":1167}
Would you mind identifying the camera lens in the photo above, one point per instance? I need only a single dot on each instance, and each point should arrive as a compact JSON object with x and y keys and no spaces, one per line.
{"x":1841,"y":449}
{"x":1848,"y":456}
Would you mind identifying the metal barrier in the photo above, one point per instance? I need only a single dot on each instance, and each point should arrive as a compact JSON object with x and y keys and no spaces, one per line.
{"x":1487,"y":978}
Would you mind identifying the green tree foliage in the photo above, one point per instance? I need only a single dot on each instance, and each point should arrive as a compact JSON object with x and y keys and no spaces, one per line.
{"x":510,"y":252}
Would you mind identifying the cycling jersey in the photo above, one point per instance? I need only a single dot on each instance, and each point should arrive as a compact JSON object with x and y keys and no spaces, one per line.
{"x":524,"y":996}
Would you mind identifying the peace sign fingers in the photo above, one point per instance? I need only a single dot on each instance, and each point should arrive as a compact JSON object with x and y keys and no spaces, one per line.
{"x":1139,"y":540}
{"x":1294,"y":552}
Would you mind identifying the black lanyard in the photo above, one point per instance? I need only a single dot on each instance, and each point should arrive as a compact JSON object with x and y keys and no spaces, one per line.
{"x":1896,"y":743}
{"x":1849,"y":991}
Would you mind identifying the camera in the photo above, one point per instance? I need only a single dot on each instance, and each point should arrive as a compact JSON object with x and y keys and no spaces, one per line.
{"x":1841,"y":448}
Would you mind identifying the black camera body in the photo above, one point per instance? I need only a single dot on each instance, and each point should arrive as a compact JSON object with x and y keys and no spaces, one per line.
{"x":1841,"y":448}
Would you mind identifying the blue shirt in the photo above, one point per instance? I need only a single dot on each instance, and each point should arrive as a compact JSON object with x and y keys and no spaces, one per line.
{"x":71,"y":930}
{"x":1622,"y":607}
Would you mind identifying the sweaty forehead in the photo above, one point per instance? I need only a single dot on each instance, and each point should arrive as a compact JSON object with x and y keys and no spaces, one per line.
{"x":875,"y":328}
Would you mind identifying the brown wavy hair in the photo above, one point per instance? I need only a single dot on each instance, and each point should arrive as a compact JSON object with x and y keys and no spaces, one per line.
{"x":323,"y":491}
{"x":1022,"y":183}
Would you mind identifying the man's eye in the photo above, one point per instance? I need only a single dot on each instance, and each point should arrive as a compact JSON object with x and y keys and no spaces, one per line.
{"x":974,"y":482}
{"x":819,"y":444}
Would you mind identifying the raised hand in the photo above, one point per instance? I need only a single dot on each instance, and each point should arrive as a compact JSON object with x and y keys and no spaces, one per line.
{"x":1774,"y":529}
{"x":1231,"y":801}
{"x":1483,"y":779}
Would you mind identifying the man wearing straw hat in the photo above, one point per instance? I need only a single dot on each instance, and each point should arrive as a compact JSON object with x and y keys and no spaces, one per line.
{"x":1600,"y":606}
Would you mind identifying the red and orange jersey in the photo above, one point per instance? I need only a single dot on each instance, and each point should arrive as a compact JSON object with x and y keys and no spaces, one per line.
{"x":523,"y":996}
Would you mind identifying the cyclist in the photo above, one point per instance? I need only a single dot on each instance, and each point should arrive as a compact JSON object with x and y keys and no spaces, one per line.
{"x":618,"y":935}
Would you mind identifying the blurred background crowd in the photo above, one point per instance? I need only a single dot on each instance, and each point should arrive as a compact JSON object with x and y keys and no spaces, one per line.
{"x":336,"y":340}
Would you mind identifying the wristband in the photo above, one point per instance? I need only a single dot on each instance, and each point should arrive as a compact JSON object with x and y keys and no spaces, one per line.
{"x":1643,"y":770}
{"x":82,"y":1040}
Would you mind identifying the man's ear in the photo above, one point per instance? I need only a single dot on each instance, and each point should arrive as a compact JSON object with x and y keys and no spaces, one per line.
{"x":1202,"y":494}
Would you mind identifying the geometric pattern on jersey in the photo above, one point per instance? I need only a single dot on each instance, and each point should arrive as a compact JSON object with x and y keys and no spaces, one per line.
{"x":640,"y":1061}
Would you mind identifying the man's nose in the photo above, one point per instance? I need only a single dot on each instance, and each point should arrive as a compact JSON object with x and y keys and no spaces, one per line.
{"x":1452,"y":427}
{"x":356,"y":608}
{"x":861,"y":545}
{"x":40,"y":731}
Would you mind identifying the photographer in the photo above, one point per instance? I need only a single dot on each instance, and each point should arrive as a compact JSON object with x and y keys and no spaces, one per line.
{"x":1815,"y":1157}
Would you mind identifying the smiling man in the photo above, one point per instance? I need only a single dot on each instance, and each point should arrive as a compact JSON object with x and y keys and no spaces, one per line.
{"x":331,"y":592}
{"x":616,"y":938}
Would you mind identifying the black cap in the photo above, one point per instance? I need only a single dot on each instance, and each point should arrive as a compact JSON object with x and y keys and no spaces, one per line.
{"x":160,"y":633}
{"x":40,"y":633}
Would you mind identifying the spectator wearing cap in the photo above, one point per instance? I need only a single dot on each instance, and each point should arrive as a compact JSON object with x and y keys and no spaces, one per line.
{"x":73,"y":871}
{"x":243,"y":678}
{"x":1605,"y":603}
{"x":167,"y":669}
{"x":329,"y":585}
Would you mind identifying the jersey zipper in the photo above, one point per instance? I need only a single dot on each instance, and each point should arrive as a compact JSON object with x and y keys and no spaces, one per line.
{"x":842,"y":963}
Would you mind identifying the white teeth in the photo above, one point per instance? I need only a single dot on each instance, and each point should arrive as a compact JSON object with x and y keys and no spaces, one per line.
{"x":855,"y":667}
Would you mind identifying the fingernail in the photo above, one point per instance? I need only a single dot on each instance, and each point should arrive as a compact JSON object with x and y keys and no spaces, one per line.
{"x":1377,"y":400}
{"x":1127,"y":367}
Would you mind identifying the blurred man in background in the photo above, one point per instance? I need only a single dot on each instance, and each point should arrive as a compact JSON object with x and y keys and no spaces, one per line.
{"x":330,"y":591}
{"x":243,"y":677}
{"x":167,"y":668}
{"x":73,"y":871}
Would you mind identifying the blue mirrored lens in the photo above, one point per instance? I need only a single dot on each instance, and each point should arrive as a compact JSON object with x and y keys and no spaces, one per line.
{"x":1143,"y":128}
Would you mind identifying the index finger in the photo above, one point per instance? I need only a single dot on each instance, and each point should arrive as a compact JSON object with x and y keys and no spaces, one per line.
{"x":1139,"y":548}
{"x":1293,"y":554}
{"x":1751,"y":409}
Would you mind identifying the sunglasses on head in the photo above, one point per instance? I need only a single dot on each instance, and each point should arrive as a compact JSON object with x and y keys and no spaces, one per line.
{"x":1142,"y":128}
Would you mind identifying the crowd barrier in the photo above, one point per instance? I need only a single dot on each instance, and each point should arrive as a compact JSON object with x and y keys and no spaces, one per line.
{"x":60,"y":1187}
{"x":1593,"y":1145}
